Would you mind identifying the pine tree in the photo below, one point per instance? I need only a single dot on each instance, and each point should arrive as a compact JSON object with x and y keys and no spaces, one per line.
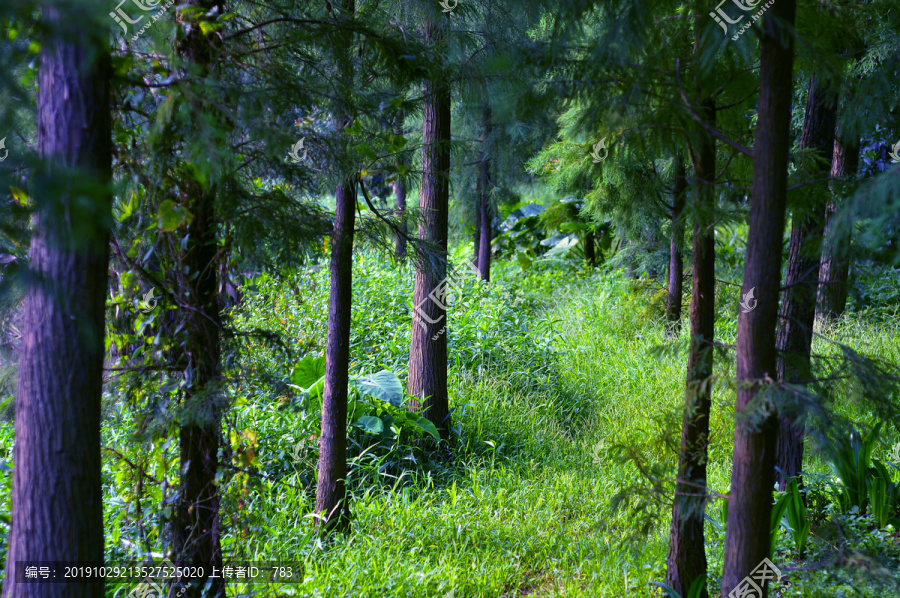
{"x":57,"y":493}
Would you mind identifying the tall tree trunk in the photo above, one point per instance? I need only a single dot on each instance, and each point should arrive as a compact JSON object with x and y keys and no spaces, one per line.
{"x":57,"y":498}
{"x":197,"y":535}
{"x":687,"y":553}
{"x":331,"y":492}
{"x":798,"y":307}
{"x":331,"y":499}
{"x":676,"y":260}
{"x":484,"y":181}
{"x":753,"y":473}
{"x":835,"y":271}
{"x":400,"y":195}
{"x":428,"y":349}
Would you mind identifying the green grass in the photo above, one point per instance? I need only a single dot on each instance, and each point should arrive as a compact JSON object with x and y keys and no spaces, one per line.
{"x":551,"y":374}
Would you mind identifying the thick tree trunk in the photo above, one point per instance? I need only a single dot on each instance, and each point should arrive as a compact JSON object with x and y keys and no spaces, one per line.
{"x":753,"y":473}
{"x":400,"y":195}
{"x":197,"y":535}
{"x":835,"y":271}
{"x":428,"y":349}
{"x":484,"y":181}
{"x":676,"y":260}
{"x":798,"y":307}
{"x":57,"y":503}
{"x":331,"y":499}
{"x":687,"y":553}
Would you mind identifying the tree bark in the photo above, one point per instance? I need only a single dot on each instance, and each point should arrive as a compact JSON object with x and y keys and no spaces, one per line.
{"x":331,"y":492}
{"x":197,"y":535}
{"x":428,"y":349}
{"x":798,"y":308}
{"x":676,"y":260}
{"x":57,"y":493}
{"x":750,"y":502}
{"x":331,"y":499}
{"x":835,"y":271}
{"x":484,"y":181}
{"x":687,"y":553}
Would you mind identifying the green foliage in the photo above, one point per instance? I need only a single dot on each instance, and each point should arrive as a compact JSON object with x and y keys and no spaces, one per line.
{"x":796,"y":521}
{"x":866,"y":483}
{"x":694,"y":591}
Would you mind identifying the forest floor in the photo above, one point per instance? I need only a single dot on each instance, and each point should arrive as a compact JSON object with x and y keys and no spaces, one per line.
{"x":556,"y":504}
{"x":567,"y":394}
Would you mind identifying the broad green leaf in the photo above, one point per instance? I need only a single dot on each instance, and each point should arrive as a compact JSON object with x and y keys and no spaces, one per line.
{"x":308,"y":371}
{"x":370,"y":424}
{"x":427,"y":427}
{"x":383,"y":385}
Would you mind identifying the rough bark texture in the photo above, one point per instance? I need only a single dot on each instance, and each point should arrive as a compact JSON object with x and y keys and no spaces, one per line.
{"x":687,"y":553}
{"x":428,"y":350}
{"x":753,"y":473}
{"x":835,"y":270}
{"x":197,"y":533}
{"x":676,"y":259}
{"x":57,"y":509}
{"x":484,"y":181}
{"x":798,"y":306}
{"x":331,"y":500}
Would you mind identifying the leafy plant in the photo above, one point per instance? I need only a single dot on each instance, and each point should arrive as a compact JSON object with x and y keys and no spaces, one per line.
{"x":796,"y":521}
{"x":866,"y":482}
{"x":694,"y":591}
{"x":850,"y":459}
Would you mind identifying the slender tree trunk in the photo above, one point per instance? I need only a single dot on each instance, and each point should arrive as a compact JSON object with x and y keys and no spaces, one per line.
{"x":428,"y":350}
{"x":590,"y":250}
{"x":676,"y":260}
{"x":197,"y":533}
{"x":835,"y":271}
{"x":400,"y":195}
{"x":753,"y":474}
{"x":331,"y":492}
{"x":484,"y":181}
{"x":57,"y":497}
{"x":331,"y":499}
{"x":687,"y":554}
{"x":798,"y":307}
{"x":476,"y":237}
